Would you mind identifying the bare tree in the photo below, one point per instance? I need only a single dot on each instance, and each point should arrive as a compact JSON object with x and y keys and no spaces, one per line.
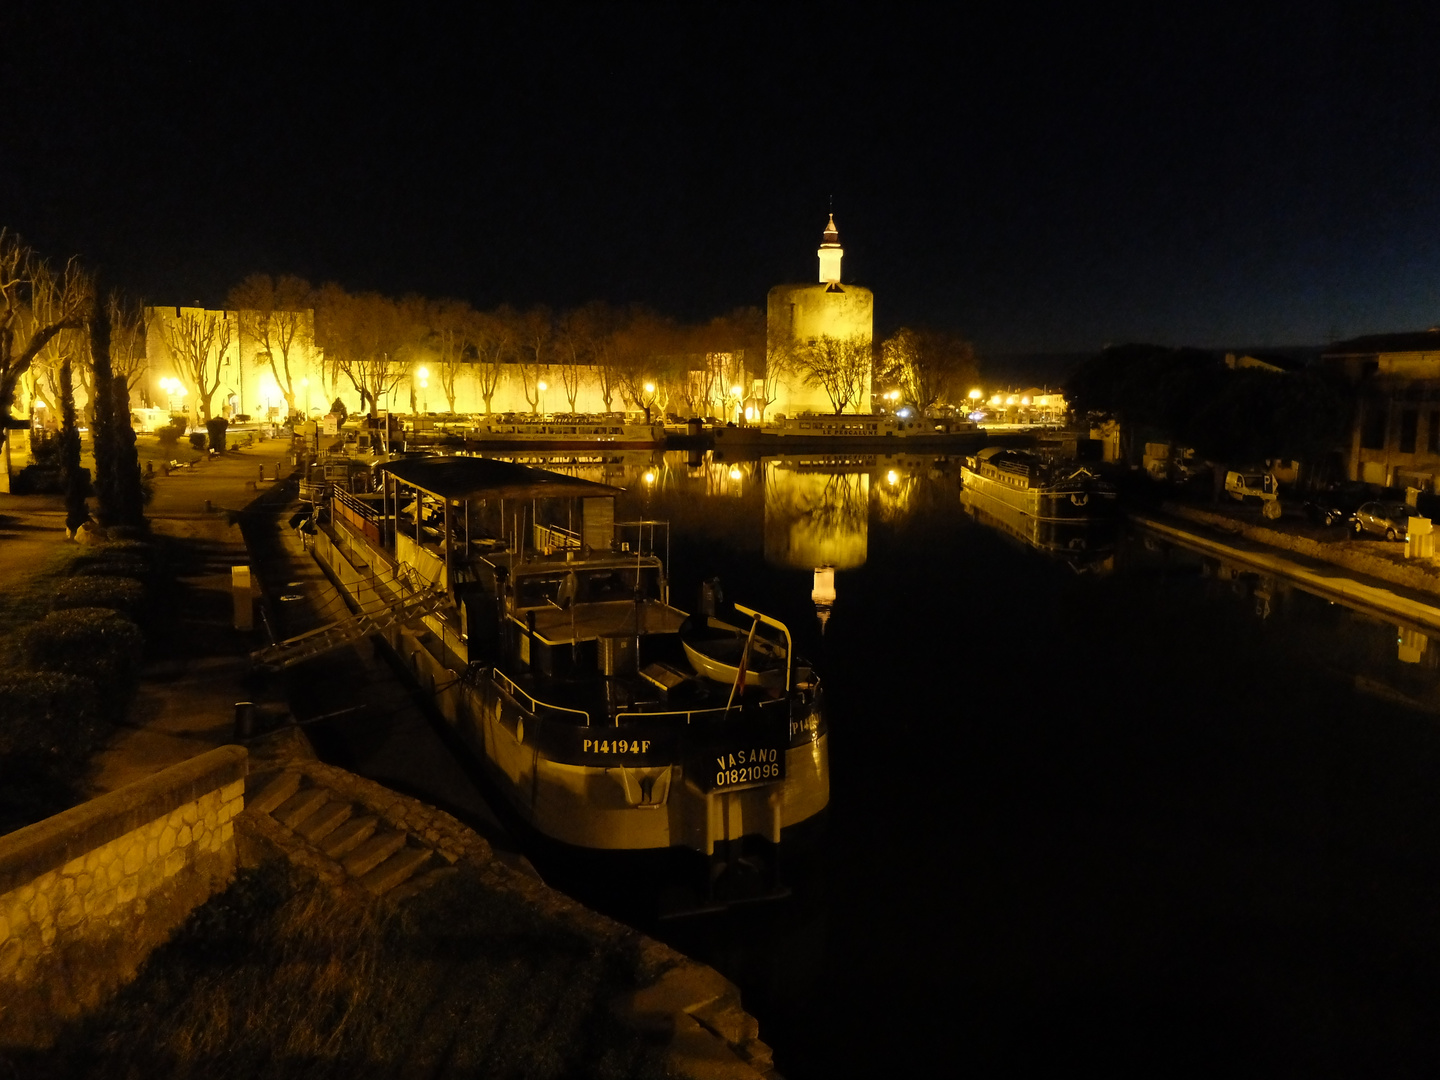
{"x":364,"y":336}
{"x":494,"y":345}
{"x":575,"y":342}
{"x":127,"y":341}
{"x":197,"y":341}
{"x":451,"y":327}
{"x":927,"y":366}
{"x":840,"y":366}
{"x":532,"y":354}
{"x":779,"y":364}
{"x":36,"y":304}
{"x":274,"y":313}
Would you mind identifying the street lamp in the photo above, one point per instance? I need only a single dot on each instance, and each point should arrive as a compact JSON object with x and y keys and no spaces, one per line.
{"x":649,"y":399}
{"x":541,"y":385}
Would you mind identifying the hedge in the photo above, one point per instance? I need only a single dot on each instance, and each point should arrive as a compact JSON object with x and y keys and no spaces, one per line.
{"x":96,"y":643}
{"x":48,"y":713}
{"x":122,"y":594}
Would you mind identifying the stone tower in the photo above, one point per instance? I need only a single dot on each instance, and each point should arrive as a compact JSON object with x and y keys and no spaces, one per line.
{"x":801,"y":312}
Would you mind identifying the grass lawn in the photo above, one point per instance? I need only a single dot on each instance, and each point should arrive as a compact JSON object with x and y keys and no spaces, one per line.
{"x":280,"y":976}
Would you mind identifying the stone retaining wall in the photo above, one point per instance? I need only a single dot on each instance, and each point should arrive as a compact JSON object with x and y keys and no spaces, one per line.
{"x":1413,"y":574}
{"x":87,"y":894}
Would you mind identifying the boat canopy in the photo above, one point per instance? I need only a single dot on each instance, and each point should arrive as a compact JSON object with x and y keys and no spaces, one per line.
{"x":474,"y":477}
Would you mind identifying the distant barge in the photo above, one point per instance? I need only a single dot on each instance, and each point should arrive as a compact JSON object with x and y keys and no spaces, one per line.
{"x":1036,"y":487}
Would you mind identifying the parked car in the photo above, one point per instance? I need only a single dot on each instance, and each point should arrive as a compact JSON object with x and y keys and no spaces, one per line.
{"x":1388,"y":519}
{"x":1248,"y":486}
{"x":1337,"y":504}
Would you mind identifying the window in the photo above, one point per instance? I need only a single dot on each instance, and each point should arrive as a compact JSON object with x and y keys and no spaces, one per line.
{"x":1409,"y":423}
{"x":1372,"y":431}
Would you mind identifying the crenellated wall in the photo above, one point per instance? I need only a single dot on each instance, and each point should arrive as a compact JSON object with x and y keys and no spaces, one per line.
{"x":87,"y":894}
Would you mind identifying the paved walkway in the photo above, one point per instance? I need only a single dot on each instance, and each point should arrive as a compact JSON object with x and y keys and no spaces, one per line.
{"x":198,"y":661}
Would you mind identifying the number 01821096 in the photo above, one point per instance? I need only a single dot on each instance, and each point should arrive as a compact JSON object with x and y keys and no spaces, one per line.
{"x":741,"y":767}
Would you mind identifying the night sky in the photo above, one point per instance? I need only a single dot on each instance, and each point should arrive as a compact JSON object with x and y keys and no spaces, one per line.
{"x":1040,"y":181}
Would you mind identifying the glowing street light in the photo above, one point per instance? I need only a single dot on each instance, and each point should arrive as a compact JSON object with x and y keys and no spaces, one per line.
{"x":542,"y":386}
{"x":976,"y":395}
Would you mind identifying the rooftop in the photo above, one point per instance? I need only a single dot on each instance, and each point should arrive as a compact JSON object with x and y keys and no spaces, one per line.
{"x":474,"y":477}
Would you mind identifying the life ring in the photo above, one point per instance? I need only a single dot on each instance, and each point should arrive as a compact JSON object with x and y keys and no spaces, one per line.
{"x":1080,"y":499}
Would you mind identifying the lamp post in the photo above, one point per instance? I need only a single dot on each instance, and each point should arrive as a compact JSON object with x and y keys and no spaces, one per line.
{"x":542,"y":387}
{"x":649,"y":399}
{"x":736,"y":392}
{"x":424,"y":375}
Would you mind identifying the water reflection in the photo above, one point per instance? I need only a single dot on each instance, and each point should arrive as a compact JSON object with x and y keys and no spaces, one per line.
{"x":817,"y":513}
{"x":1085,"y":547}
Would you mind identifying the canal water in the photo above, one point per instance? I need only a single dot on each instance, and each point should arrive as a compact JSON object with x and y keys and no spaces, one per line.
{"x":1097,"y":801}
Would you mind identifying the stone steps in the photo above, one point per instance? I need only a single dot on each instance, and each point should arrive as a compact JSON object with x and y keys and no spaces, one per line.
{"x":386,"y":861}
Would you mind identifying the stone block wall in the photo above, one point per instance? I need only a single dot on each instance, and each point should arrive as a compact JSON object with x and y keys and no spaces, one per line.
{"x":87,"y":894}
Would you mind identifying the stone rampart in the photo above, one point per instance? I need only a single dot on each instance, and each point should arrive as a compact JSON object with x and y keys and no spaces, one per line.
{"x":87,"y":894}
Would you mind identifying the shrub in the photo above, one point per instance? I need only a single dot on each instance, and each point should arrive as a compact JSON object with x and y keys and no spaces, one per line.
{"x":122,"y":594}
{"x":216,"y":427}
{"x":126,"y":568}
{"x":96,"y":643}
{"x":197,"y":440}
{"x":48,"y":714}
{"x":172,"y":431}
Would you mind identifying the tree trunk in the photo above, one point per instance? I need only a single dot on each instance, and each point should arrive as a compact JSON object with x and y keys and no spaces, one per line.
{"x":77,"y":483}
{"x":102,"y":431}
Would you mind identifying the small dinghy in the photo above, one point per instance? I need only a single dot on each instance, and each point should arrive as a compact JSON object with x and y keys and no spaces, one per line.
{"x":714,"y":648}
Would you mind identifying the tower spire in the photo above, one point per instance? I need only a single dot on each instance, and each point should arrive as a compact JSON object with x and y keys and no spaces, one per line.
{"x":830,"y":254}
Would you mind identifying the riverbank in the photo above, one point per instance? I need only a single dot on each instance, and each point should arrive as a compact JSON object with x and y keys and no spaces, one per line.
{"x":304,"y":937}
{"x":1376,"y":574}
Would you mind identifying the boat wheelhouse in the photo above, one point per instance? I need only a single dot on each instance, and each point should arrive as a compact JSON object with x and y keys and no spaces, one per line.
{"x":557,"y":657}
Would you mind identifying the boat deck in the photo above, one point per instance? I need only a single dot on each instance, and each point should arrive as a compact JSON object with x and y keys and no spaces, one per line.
{"x":586,"y":622}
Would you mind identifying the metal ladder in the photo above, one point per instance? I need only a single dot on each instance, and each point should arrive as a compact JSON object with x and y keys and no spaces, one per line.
{"x":415,"y":601}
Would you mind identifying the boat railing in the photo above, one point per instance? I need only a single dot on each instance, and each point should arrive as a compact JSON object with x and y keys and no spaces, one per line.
{"x":359,"y":515}
{"x":554,"y":538}
{"x":689,"y":715}
{"x":645,"y":540}
{"x":536,"y":705}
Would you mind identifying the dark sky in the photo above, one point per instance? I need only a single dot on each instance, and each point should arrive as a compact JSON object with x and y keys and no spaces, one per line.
{"x":1037,"y":181}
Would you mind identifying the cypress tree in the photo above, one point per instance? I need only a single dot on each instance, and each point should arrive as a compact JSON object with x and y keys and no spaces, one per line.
{"x":103,"y":435}
{"x":77,"y":483}
{"x":129,"y":494}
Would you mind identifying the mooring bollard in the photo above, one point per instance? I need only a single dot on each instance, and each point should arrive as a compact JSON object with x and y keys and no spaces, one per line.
{"x":262,"y":472}
{"x":244,"y":719}
{"x":208,"y":508}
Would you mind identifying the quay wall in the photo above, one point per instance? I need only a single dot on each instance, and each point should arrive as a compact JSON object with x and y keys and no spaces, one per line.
{"x":87,"y":894}
{"x":1411,"y":573}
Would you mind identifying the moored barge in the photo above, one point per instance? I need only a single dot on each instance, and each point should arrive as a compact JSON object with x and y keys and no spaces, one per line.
{"x":555,"y":654}
{"x":1033,"y":485}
